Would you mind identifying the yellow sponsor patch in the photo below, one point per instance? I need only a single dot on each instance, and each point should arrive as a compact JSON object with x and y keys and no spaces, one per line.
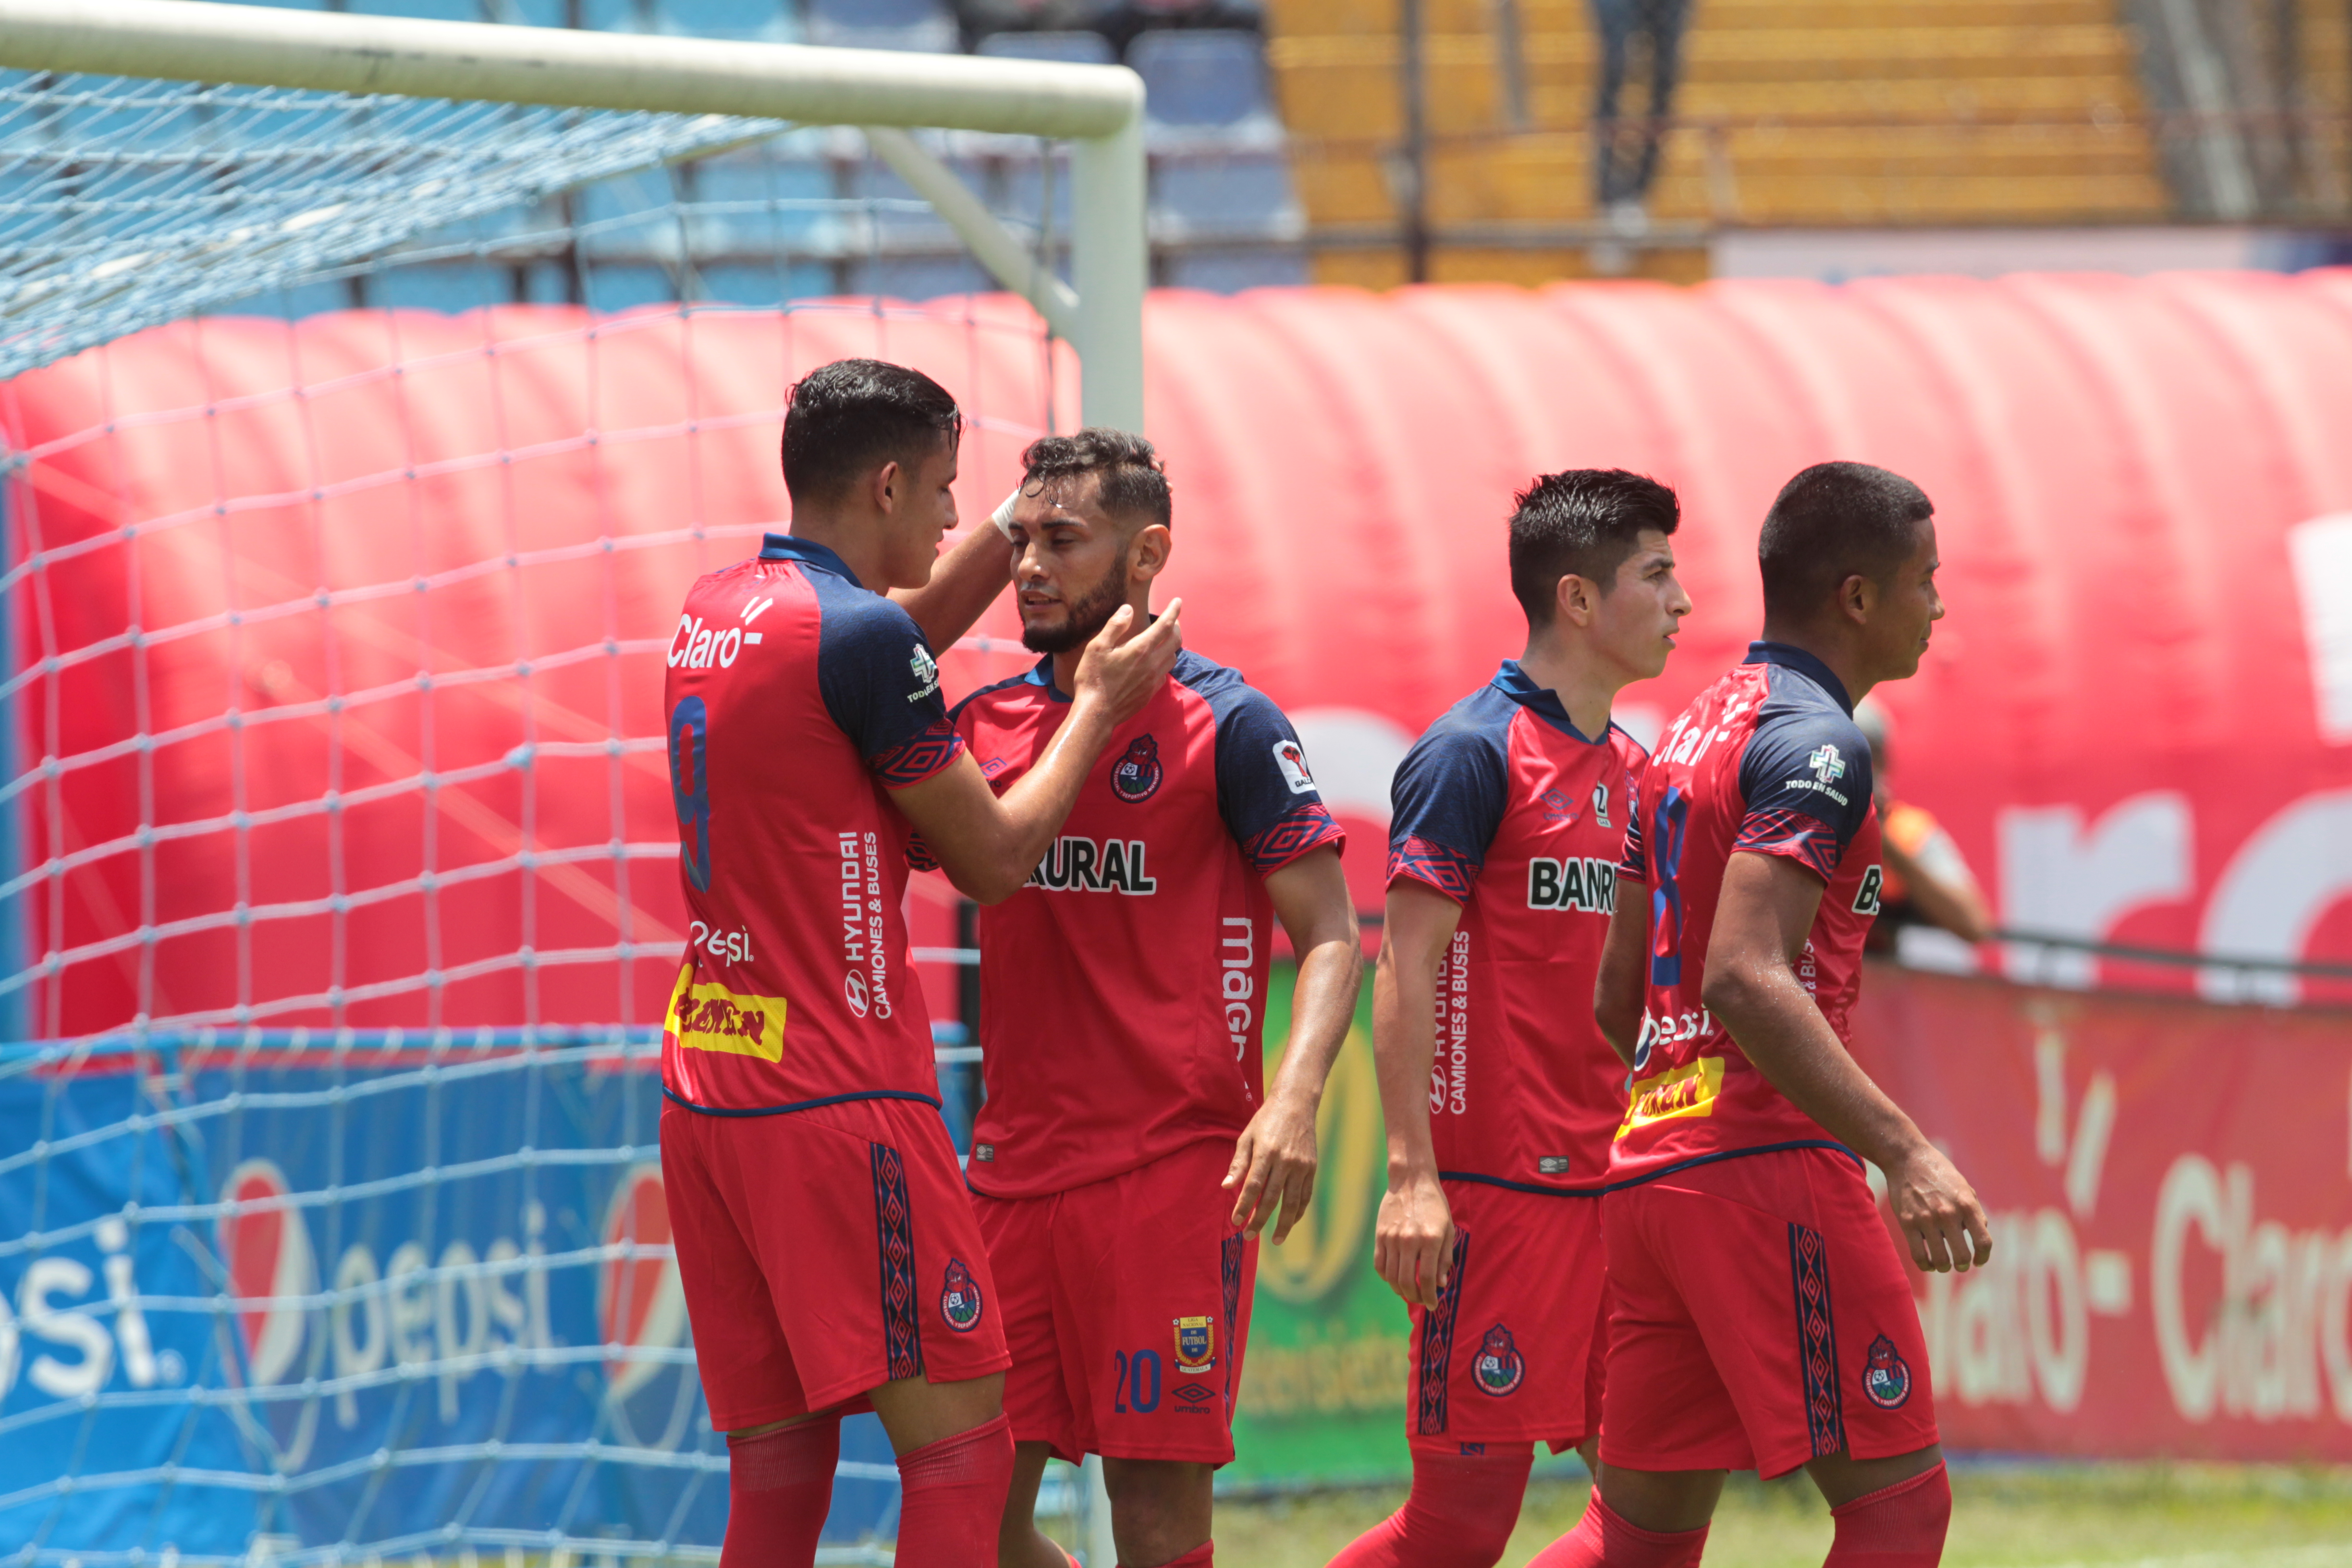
{"x":1683,"y":1092}
{"x":709,"y":1017}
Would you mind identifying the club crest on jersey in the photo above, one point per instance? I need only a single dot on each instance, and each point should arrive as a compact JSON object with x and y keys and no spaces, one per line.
{"x":1827,"y":765}
{"x":1499,"y":1369}
{"x":1886,"y":1376}
{"x":1291,"y":758}
{"x":1136,"y":775}
{"x":1196,"y":1345}
{"x":959,"y":1302}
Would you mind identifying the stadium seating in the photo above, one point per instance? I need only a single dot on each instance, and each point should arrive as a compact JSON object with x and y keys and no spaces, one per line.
{"x":1922,"y":98}
{"x":923,"y":26}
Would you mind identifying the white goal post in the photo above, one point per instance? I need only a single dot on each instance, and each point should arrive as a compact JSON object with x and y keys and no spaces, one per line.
{"x":1098,"y":108}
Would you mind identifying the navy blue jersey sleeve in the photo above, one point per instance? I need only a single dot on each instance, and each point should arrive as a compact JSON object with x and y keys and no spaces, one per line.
{"x":1806,"y":779}
{"x":882,"y":687}
{"x":1264,"y":792}
{"x":1445,"y":804}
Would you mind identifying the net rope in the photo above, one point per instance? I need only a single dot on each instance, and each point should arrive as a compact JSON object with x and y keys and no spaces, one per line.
{"x":336,"y":850}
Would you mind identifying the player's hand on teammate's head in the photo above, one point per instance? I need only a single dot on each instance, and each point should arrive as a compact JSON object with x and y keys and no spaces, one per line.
{"x":1412,"y":1240}
{"x":1126,"y":660}
{"x":1939,"y":1212}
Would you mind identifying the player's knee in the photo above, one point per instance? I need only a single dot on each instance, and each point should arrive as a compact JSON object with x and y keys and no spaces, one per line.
{"x":1901,"y":1526}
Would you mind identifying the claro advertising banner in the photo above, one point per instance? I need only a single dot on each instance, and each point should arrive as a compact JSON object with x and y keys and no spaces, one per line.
{"x":2170,"y":1186}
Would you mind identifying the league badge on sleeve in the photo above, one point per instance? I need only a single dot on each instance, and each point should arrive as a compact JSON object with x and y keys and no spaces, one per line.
{"x":1291,"y":758}
{"x":1136,"y":775}
{"x":1499,"y":1369}
{"x":959,"y":1302}
{"x":1886,"y":1377}
{"x":1196,"y":1345}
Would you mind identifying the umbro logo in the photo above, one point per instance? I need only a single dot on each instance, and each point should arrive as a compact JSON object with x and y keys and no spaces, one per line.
{"x":1194,"y":1392}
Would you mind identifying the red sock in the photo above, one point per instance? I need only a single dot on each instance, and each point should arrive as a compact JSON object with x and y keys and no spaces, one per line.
{"x":1901,"y":1526}
{"x":951,"y":1498}
{"x":779,"y":1486}
{"x":1601,"y":1537}
{"x":1201,"y":1556}
{"x":1459,"y":1513}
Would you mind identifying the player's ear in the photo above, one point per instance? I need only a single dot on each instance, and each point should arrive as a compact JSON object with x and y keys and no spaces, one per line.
{"x":1147,"y":553}
{"x":883,"y":485}
{"x":1857,"y":596}
{"x":1574,"y":600}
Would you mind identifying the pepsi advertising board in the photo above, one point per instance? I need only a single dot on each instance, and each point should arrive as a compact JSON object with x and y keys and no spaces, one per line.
{"x":381,"y":1298}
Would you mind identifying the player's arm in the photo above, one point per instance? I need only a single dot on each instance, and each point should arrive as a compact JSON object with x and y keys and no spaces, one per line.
{"x":1761,"y":923}
{"x":1948,"y":900}
{"x":987,"y":844}
{"x":1274,"y":1162}
{"x":1412,"y":1240}
{"x":964,"y":582}
{"x":1618,"y":990}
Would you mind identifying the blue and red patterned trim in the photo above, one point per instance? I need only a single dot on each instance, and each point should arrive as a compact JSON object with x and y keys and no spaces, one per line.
{"x":1773,"y":830}
{"x":919,"y":757}
{"x":1809,"y":1278}
{"x":1229,"y":1269}
{"x":894,"y":1230}
{"x":1436,"y":1359}
{"x":1449,"y":871}
{"x":1635,"y":862}
{"x":1305,"y":827}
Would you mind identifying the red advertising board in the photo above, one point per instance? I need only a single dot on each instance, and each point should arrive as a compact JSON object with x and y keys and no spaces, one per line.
{"x":2171,"y":1209}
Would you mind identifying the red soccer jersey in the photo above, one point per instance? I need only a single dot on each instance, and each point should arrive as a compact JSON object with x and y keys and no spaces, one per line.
{"x":1122,"y":990}
{"x":795,"y":699}
{"x":1767,"y":760}
{"x":1506,"y":809}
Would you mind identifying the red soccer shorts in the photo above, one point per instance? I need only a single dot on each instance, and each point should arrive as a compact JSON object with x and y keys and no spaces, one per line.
{"x":1512,"y":1352}
{"x":1126,"y":1305}
{"x":1760,"y":1319}
{"x":826,"y":1252}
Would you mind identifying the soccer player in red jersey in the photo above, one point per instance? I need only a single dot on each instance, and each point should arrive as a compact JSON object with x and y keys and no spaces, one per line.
{"x":827,"y":1247}
{"x":1500,"y":1100}
{"x":1761,"y":1317}
{"x":1127,"y":1153}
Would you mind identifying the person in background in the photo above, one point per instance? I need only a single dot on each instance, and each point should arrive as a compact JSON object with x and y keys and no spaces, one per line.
{"x":1928,"y":882}
{"x":1625,"y":147}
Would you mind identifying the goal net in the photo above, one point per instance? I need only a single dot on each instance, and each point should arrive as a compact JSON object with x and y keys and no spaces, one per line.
{"x":359,"y":448}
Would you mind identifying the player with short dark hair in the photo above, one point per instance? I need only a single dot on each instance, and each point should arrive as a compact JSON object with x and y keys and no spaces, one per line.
{"x":1508,"y":818}
{"x":1128,"y":1152}
{"x":1760,"y":1318}
{"x":827,"y":1247}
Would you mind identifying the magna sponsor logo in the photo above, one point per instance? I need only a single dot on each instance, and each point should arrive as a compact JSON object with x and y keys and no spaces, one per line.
{"x":1577,"y":882}
{"x":1449,"y":1071}
{"x":1073,"y":865}
{"x":865,"y":985}
{"x":1237,"y":979}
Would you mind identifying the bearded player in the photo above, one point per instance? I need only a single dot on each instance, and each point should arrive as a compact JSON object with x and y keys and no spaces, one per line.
{"x":1507,"y":817}
{"x":1761,"y":1319}
{"x":828,"y":1251}
{"x":1128,"y":1153}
